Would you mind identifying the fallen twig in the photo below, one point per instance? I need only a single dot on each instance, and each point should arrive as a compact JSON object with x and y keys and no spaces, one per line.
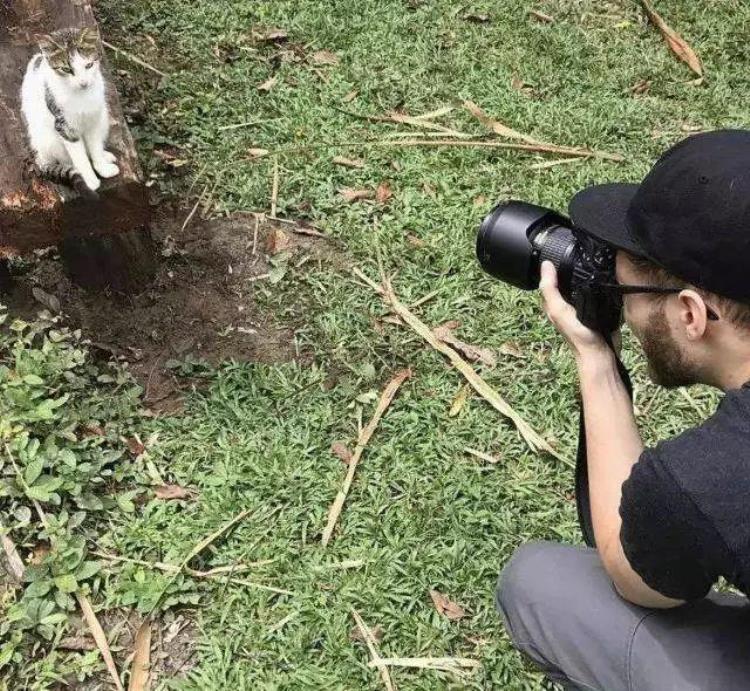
{"x":375,"y":660}
{"x":275,"y":186}
{"x":505,"y":131}
{"x":385,"y":400}
{"x":193,"y":210}
{"x":205,"y":542}
{"x":422,"y":122}
{"x":443,"y":664}
{"x":15,"y":563}
{"x":534,"y":441}
{"x":211,"y":573}
{"x":134,"y":59}
{"x":558,"y":162}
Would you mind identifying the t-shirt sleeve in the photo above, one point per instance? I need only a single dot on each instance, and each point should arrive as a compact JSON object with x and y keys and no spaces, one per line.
{"x":664,"y":535}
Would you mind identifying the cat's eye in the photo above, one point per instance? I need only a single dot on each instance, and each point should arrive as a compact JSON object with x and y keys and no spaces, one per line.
{"x":89,"y":65}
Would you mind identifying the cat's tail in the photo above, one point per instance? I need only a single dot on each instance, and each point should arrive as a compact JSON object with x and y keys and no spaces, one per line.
{"x":59,"y":172}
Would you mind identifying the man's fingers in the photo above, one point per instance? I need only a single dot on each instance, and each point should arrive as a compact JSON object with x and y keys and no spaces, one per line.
{"x":554,"y":304}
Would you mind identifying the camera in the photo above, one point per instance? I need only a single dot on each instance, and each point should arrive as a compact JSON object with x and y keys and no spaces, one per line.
{"x":516,"y":237}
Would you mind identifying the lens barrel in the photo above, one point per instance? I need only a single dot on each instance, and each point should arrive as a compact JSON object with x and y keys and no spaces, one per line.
{"x":516,"y":237}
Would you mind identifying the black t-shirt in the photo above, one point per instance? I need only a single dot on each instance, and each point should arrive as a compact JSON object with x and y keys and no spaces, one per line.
{"x":685,"y":508}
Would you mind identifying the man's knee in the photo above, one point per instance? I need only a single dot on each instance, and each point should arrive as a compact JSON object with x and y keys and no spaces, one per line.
{"x":522,"y":578}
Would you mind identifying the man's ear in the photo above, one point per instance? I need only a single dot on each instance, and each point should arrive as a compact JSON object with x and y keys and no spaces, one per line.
{"x":693,"y":313}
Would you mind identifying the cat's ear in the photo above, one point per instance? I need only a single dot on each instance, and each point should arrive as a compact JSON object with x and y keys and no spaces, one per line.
{"x":87,"y":41}
{"x":47,"y":44}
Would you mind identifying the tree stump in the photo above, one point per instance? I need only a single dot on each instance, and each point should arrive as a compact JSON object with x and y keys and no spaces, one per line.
{"x":104,"y":242}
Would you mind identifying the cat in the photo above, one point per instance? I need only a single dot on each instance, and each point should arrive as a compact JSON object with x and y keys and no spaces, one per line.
{"x":64,"y":105}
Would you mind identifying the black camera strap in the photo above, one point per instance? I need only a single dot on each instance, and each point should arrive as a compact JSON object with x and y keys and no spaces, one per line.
{"x":583,"y":501}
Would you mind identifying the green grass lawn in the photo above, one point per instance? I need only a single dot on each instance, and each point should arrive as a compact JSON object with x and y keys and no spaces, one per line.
{"x":421,"y":514}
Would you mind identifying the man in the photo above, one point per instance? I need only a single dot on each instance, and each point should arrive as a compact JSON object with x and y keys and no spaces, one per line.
{"x":639,"y":613}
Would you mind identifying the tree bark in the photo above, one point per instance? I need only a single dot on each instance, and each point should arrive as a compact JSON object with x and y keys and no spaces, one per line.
{"x":104,"y":242}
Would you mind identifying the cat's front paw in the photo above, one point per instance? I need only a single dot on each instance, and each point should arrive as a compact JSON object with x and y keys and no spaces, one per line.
{"x":106,"y":169}
{"x":92,"y":182}
{"x":109,"y":157}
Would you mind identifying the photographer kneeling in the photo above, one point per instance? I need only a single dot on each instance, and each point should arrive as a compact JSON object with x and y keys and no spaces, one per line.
{"x":638,"y":612}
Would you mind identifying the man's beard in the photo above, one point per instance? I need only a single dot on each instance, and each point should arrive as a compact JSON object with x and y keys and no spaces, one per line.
{"x":668,"y":365}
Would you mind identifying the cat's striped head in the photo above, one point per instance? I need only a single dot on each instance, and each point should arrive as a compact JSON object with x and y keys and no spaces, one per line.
{"x":73,"y":54}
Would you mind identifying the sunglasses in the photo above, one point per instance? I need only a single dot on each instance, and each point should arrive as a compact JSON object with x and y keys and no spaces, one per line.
{"x":630,"y":290}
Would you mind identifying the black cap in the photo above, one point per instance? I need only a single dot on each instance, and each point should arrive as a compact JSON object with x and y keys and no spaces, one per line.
{"x":690,"y":215}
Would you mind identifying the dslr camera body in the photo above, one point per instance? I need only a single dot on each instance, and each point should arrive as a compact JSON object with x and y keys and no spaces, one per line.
{"x":516,"y":237}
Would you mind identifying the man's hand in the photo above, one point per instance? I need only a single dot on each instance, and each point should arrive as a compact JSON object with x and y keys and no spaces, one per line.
{"x":582,"y":340}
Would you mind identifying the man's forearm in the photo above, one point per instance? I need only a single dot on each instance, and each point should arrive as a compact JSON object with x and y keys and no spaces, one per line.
{"x":613,"y":442}
{"x":613,"y":446}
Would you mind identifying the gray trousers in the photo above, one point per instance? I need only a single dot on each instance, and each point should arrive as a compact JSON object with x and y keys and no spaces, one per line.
{"x":561,"y":609}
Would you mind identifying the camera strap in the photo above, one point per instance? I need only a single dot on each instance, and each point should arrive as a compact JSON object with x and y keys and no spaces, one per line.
{"x":583,"y":501}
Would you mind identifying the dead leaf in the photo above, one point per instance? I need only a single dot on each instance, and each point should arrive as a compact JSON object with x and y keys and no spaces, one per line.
{"x":459,"y":400}
{"x":257,"y":153}
{"x":350,"y":97}
{"x":339,"y":448}
{"x":415,"y":241}
{"x":480,"y":200}
{"x":383,"y":193}
{"x":429,"y":189}
{"x":678,"y":45}
{"x":512,"y":349}
{"x":167,"y":492}
{"x":356,"y":635}
{"x":274,"y":35}
{"x":482,"y":455}
{"x":520,"y":85}
{"x":348,"y":162}
{"x":541,"y":16}
{"x":51,"y":302}
{"x":277,"y":241}
{"x":470,"y":352}
{"x":38,"y":554}
{"x":325,"y":57}
{"x":268,"y":84}
{"x":640,"y":87}
{"x":100,"y":637}
{"x":91,"y":430}
{"x":135,"y":446}
{"x":77,"y":643}
{"x":139,"y":670}
{"x":446,"y":607}
{"x":351,"y":195}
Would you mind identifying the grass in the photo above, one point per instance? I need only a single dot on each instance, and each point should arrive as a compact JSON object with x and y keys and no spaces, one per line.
{"x":421,"y":514}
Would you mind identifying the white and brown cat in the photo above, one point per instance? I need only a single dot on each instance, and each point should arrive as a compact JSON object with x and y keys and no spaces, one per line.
{"x":64,"y":105}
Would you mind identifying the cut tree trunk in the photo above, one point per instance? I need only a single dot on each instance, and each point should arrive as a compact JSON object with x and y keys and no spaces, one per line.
{"x":104,"y":241}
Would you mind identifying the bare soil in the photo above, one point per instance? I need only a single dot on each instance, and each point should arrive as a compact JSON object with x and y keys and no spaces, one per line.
{"x":201,"y":304}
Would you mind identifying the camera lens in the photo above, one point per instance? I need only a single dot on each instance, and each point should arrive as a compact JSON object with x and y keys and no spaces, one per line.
{"x":516,"y":237}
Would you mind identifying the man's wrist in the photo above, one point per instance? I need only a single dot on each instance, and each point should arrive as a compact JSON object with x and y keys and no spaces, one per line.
{"x":596,"y":360}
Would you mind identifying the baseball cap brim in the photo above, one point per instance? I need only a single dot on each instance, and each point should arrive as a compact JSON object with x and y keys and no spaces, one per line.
{"x":601,"y":211}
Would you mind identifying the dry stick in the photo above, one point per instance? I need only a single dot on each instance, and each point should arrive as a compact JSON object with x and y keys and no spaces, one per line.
{"x":88,"y":613}
{"x":444,"y":664}
{"x":15,"y":563}
{"x":205,"y":542}
{"x":193,"y":210}
{"x":275,"y":186}
{"x":534,"y":441}
{"x":551,"y":164}
{"x":481,"y":455}
{"x":161,"y":566}
{"x":385,"y":400}
{"x":369,"y":639}
{"x":400,"y":119}
{"x":255,"y":235}
{"x":134,"y":59}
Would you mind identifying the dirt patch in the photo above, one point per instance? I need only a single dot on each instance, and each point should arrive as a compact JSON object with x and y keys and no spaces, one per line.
{"x":201,"y":305}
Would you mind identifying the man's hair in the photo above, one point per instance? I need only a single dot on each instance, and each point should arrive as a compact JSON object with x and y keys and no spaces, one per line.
{"x":737,"y":313}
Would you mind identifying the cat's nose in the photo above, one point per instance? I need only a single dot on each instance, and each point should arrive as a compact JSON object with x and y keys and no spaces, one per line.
{"x":83,"y":85}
